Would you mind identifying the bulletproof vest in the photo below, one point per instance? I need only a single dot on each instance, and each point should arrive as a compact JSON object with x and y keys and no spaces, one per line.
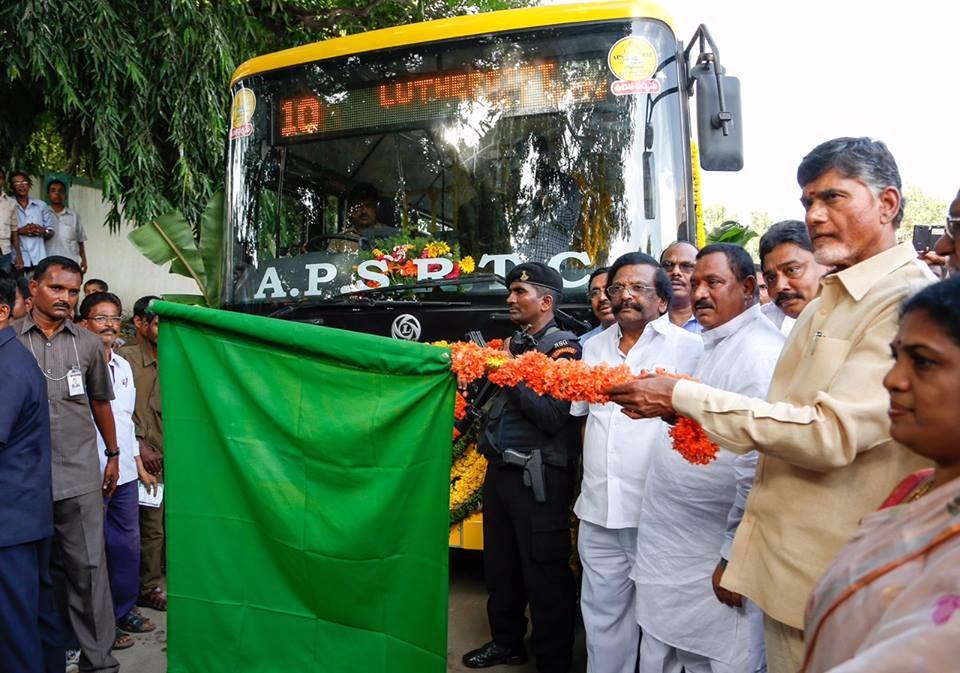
{"x":507,"y":427}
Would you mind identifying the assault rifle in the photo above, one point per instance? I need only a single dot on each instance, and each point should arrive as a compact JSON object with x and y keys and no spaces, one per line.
{"x":480,"y":393}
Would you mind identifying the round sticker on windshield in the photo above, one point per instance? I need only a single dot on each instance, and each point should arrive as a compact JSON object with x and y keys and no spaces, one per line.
{"x":244,"y":103}
{"x":633,"y":59}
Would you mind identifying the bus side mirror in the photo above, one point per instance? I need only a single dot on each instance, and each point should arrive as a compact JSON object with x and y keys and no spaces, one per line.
{"x":719,"y":118}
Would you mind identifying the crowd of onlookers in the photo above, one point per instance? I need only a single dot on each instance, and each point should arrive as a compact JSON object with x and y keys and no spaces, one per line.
{"x":31,"y":230}
{"x":81,"y":465}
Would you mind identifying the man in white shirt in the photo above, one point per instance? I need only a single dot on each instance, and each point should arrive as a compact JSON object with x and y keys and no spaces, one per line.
{"x":615,"y":457}
{"x":100,"y":313}
{"x":69,"y":236}
{"x":792,"y":274}
{"x":691,"y":512}
{"x":599,"y":303}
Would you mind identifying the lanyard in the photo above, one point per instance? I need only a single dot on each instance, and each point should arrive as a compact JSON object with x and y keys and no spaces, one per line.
{"x":58,"y":378}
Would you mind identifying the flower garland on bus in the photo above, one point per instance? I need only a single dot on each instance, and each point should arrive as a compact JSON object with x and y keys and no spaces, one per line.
{"x":398,"y":255}
{"x":571,"y":380}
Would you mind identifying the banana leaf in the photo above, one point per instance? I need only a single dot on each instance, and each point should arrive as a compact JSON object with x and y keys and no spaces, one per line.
{"x":211,"y":248}
{"x":170,"y":238}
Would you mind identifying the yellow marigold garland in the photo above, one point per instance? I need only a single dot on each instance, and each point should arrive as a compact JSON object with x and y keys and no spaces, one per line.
{"x":466,"y":479}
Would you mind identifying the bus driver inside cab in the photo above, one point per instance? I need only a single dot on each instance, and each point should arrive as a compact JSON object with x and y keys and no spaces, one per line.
{"x":363,"y":221}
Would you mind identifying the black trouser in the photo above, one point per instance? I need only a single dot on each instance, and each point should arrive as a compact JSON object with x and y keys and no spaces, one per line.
{"x":526,"y":557}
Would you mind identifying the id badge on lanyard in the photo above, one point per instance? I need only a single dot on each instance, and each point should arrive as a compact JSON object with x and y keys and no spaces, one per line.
{"x":75,"y":382}
{"x":75,"y":376}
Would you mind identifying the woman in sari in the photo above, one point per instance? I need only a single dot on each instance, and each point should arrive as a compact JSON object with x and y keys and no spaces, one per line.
{"x":890,"y":601}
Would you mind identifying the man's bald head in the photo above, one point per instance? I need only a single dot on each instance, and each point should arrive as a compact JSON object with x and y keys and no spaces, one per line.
{"x":678,"y":260}
{"x":687,"y":246}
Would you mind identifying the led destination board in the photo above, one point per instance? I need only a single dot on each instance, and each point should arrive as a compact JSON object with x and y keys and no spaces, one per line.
{"x":520,"y":90}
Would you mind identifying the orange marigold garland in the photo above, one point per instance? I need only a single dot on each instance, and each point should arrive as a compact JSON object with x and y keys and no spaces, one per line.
{"x":571,"y":380}
{"x":691,"y":441}
{"x":563,"y":379}
{"x":689,"y":438}
{"x":459,"y":412}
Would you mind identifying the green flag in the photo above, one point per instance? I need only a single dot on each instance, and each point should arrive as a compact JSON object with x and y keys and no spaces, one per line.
{"x":307,"y":477}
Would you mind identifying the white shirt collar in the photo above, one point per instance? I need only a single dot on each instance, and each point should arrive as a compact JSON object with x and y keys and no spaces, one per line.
{"x":732,"y":326}
{"x":661,"y":325}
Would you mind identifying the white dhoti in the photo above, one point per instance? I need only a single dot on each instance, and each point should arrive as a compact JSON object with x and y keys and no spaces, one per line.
{"x":658,"y":657}
{"x":607,"y":597}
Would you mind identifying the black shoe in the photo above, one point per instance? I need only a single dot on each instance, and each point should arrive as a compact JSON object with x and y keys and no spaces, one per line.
{"x":492,"y":654}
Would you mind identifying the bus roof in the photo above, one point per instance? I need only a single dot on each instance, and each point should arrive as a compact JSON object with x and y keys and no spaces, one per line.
{"x":456,"y":27}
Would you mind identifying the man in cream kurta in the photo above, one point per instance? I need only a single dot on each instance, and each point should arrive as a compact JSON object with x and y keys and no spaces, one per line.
{"x":828,"y":458}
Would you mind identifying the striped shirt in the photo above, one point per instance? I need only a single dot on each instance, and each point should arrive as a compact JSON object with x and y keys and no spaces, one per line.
{"x":73,"y":435}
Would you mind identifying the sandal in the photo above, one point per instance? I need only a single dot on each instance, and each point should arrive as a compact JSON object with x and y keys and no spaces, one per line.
{"x":134,"y":622}
{"x":122,"y":641}
{"x":153,"y":599}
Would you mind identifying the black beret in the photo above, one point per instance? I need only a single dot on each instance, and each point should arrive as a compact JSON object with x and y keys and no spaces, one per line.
{"x":535,"y":273}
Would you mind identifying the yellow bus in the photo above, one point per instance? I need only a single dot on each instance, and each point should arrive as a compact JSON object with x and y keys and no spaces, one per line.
{"x":385,"y":181}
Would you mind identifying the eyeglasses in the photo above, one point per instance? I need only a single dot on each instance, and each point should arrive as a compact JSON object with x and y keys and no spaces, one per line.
{"x":104,"y":319}
{"x":952,"y":223}
{"x":15,"y":183}
{"x":684,"y":266}
{"x":618,"y":289}
{"x":595,"y":292}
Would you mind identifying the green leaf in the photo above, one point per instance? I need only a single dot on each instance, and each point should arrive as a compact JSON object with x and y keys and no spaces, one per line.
{"x":731,"y":232}
{"x":169,"y":238}
{"x":211,"y":247}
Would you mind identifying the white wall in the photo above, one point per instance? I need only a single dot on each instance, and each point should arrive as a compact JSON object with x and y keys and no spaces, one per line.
{"x":113,"y":258}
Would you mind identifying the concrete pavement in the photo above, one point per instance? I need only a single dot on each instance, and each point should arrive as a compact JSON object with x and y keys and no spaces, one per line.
{"x":467,"y":626}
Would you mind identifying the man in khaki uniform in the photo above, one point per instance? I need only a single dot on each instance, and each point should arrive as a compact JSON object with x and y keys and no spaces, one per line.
{"x":147,"y":421}
{"x":823,"y":431}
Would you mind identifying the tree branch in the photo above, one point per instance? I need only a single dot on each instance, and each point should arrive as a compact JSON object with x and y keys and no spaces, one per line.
{"x":329,"y":21}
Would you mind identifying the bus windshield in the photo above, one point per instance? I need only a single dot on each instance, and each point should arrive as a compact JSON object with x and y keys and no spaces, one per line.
{"x":562,"y":145}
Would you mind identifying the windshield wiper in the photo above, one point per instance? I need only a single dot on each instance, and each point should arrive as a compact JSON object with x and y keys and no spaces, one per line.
{"x":370,"y":296}
{"x":472,"y":279}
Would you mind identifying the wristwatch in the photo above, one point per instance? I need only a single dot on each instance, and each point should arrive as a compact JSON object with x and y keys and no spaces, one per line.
{"x":111,"y":454}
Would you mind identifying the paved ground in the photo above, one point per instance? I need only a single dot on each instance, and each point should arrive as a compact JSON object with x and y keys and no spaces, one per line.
{"x":468,"y":625}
